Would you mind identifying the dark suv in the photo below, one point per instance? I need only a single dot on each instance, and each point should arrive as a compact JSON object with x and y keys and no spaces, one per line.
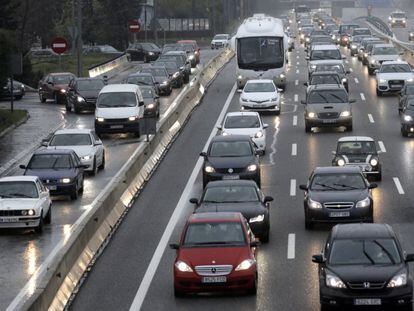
{"x":364,"y":265}
{"x":145,"y":51}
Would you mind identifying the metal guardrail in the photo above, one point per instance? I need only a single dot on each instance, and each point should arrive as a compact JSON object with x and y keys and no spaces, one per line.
{"x":381,"y":25}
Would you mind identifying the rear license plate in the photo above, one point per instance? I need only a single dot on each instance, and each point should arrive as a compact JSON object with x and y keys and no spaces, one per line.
{"x":329,"y":121}
{"x":367,"y":302}
{"x":339,"y":214}
{"x":51,"y":187}
{"x":214,"y":279}
{"x":231,"y":177}
{"x":9,"y":219}
{"x":117,"y":126}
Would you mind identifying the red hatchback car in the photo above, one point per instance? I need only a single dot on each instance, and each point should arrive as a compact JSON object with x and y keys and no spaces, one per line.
{"x":217,"y":252}
{"x":195,"y":47}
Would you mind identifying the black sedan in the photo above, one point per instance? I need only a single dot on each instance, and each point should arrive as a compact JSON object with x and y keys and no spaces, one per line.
{"x":406,"y":91}
{"x":151,"y":101}
{"x":337,"y":194}
{"x":363,"y":265}
{"x":162,"y":78}
{"x":145,"y":51}
{"x":60,"y":170}
{"x":83,"y":93}
{"x":407,"y":117}
{"x":242,"y":196}
{"x":143,"y":78}
{"x":231,"y":157}
{"x":177,"y":75}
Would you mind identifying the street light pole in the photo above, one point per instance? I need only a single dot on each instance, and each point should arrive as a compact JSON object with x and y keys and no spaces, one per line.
{"x":79,"y":37}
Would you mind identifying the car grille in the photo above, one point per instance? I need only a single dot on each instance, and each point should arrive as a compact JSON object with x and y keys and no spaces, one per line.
{"x":338,"y":205}
{"x":91,"y":100}
{"x":328,"y":115}
{"x":50,"y":181}
{"x":116,"y":120}
{"x":366,"y":285}
{"x":392,"y":82}
{"x":10,"y":213}
{"x":226,"y":170}
{"x":214,"y":270}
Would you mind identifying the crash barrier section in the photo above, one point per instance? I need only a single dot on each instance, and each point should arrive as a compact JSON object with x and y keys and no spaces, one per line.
{"x":53,"y":284}
{"x":110,"y":68}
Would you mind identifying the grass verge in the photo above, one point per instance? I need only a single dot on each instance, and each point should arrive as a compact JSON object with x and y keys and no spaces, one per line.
{"x":7,"y":118}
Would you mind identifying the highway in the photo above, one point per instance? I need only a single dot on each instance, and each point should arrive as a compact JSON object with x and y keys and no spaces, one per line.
{"x":135,"y":270}
{"x":23,"y":252}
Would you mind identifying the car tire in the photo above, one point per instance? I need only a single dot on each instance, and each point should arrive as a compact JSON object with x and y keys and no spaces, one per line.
{"x":404,"y":133}
{"x":41,"y":97}
{"x":82,"y":184}
{"x":48,"y":218}
{"x":74,"y":194}
{"x":370,"y":71}
{"x":379,"y":176}
{"x":137,"y":134}
{"x":39,"y":228}
{"x":325,"y":307}
{"x":277,"y":112}
{"x":308,"y":223}
{"x":308,"y":129}
{"x":349,"y":128}
{"x":68,"y":107}
{"x":146,"y":59}
{"x":265,"y":237}
{"x":406,"y":308}
{"x":187,"y":79}
{"x":102,"y":166}
{"x":178,"y":293}
{"x":94,"y":167}
{"x":55,"y":98}
{"x":19,"y":97}
{"x":76,"y":109}
{"x":379,"y":93}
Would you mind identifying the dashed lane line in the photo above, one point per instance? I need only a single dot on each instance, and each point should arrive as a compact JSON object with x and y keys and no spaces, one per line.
{"x":296,"y":97}
{"x":356,"y":80}
{"x":293,"y":187}
{"x":291,"y":246}
{"x":362,"y":96}
{"x":295,"y":121}
{"x":382,"y":146}
{"x":371,"y":118}
{"x":294,"y":150}
{"x":397,"y":183}
{"x":296,"y":82}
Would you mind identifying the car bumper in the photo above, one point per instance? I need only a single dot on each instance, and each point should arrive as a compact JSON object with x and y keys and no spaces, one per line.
{"x":386,"y":87}
{"x":408,"y":126}
{"x":222,"y":176}
{"x":150,"y":112}
{"x":267,"y":106}
{"x":342,"y":121}
{"x":260,"y":143}
{"x":324,"y":215}
{"x":152,"y":57}
{"x":114,"y":127}
{"x":60,"y":189}
{"x":19,"y":222}
{"x":278,"y":81}
{"x":164,"y":88}
{"x":89,"y":106}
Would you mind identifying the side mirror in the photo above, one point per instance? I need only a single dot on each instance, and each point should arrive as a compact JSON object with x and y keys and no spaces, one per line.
{"x":303,"y":102}
{"x":50,"y":82}
{"x":307,"y":57}
{"x":174,"y":246}
{"x":372,"y":186}
{"x":258,"y":152}
{"x":182,"y":68}
{"x":318,"y":259}
{"x":255,"y":243}
{"x":203,"y":154}
{"x":22,"y":166}
{"x":333,"y":152}
{"x":348,"y":72}
{"x":140,"y":104}
{"x":306,"y":84}
{"x":303,"y":187}
{"x":194,"y":201}
{"x":352,"y":100}
{"x":409,"y":257}
{"x":44,"y":143}
{"x":265,"y":125}
{"x":343,"y":57}
{"x":220,"y":127}
{"x":268,"y":199}
{"x":98,"y":143}
{"x":156,"y":97}
{"x":280,"y":90}
{"x":156,"y":82}
{"x":376,"y":71}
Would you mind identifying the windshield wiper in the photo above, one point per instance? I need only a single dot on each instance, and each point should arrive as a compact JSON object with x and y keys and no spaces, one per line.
{"x":385,"y":251}
{"x":20,"y":195}
{"x":326,"y":186}
{"x":347,"y":186}
{"x":366,"y":254}
{"x":54,"y":163}
{"x":7,"y":196}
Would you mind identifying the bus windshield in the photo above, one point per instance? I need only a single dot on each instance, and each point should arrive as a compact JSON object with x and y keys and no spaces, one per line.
{"x":260,"y":53}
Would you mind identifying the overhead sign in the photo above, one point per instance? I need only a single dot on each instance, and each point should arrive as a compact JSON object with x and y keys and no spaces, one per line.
{"x":59,"y":45}
{"x":134,"y":26}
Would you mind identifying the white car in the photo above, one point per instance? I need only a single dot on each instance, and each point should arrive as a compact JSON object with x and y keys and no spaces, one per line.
{"x":220,"y":41}
{"x":398,"y":18}
{"x":24,"y":203}
{"x":323,"y":54}
{"x":84,"y":142}
{"x":260,"y":95}
{"x":246,"y":123}
{"x":392,"y":76}
{"x":379,"y":54}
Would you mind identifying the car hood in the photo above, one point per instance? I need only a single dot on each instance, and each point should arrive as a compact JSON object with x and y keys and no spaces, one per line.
{"x":18,"y":203}
{"x":258,"y":97}
{"x":247,"y":209}
{"x":89,"y":93}
{"x":231,"y":162}
{"x":148,"y":101}
{"x":318,"y":108}
{"x":80,"y":150}
{"x":199,"y":256}
{"x":338,"y":196}
{"x":384,"y":57}
{"x":116,"y":112}
{"x":395,"y":75}
{"x":51,"y":174}
{"x":249,"y":131}
{"x":365,"y":273}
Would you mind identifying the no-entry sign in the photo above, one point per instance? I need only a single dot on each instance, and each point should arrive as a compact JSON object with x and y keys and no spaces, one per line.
{"x":134,"y":26}
{"x":59,"y":45}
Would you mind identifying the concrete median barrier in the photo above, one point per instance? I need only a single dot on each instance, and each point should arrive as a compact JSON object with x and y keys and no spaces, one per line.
{"x":53,"y":284}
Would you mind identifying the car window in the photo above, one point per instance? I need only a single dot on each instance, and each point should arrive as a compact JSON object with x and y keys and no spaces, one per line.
{"x":385,"y":50}
{"x":89,"y":85}
{"x":18,"y":189}
{"x":364,"y":252}
{"x":233,"y":122}
{"x":140,"y":80}
{"x":395,"y":68}
{"x":325,"y":54}
{"x":71,"y":140}
{"x":62,"y":79}
{"x":330,"y":67}
{"x":230,"y":194}
{"x":231,"y":149}
{"x":357,"y":32}
{"x":328,"y":96}
{"x":157,"y":72}
{"x":356,"y":147}
{"x":50,"y":161}
{"x":214,"y":233}
{"x":259,"y":87}
{"x":147,"y":92}
{"x":325,"y":79}
{"x":117,"y":100}
{"x":337,"y":181}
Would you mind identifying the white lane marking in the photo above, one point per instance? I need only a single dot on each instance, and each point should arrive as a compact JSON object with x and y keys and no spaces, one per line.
{"x":296,"y":97}
{"x":297,"y":56}
{"x":295,"y":120}
{"x":351,"y":70}
{"x":291,"y":246}
{"x":370,"y":117}
{"x":398,"y":185}
{"x":297,"y":70}
{"x":362,"y":96}
{"x":292,"y":187}
{"x":382,"y":146}
{"x":294,"y":149}
{"x":273,"y":146}
{"x":346,"y":61}
{"x":356,"y":80}
{"x":296,"y":82}
{"x":297,"y":63}
{"x":181,"y":205}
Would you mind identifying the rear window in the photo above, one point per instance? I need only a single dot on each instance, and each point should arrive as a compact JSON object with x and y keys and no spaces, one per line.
{"x":325,"y":54}
{"x":117,"y":100}
{"x":384,"y":50}
{"x":214,"y":233}
{"x":233,"y":122}
{"x":71,"y":140}
{"x":325,"y":79}
{"x":259,"y":87}
{"x":50,"y":161}
{"x":328,"y":96}
{"x":18,"y":189}
{"x":230,"y":194}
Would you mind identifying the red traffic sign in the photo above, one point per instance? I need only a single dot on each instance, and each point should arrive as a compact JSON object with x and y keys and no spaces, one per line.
{"x":134,"y":26}
{"x":59,"y":45}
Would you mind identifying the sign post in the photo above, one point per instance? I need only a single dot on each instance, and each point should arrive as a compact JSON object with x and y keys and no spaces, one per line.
{"x":15,"y":68}
{"x":59,"y":46}
{"x":134,"y":27}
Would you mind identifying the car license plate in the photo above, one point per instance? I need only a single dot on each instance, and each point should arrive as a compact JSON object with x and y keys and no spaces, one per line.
{"x":339,"y":214}
{"x":120,"y":126}
{"x":9,"y":219}
{"x":51,"y":187}
{"x":231,"y":177}
{"x":329,"y":121}
{"x":367,"y":302}
{"x":397,"y":85}
{"x":214,"y":279}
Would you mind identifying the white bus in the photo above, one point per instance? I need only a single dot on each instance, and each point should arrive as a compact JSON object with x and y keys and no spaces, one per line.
{"x":261,"y":46}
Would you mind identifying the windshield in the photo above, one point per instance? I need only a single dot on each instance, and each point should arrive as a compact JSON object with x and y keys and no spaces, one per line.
{"x":220,"y":37}
{"x":398,"y":15}
{"x":384,"y":50}
{"x":409,"y":90}
{"x":325,"y":67}
{"x":358,"y":32}
{"x":62,"y":79}
{"x":234,"y":122}
{"x":357,"y":147}
{"x":71,"y":140}
{"x":214,"y":233}
{"x":338,"y":181}
{"x":364,"y":252}
{"x":324,"y":79}
{"x":347,"y":28}
{"x":260,"y":53}
{"x":50,"y":161}
{"x":410,"y":105}
{"x":231,"y":149}
{"x":18,"y":189}
{"x":230,"y":194}
{"x":88,"y":85}
{"x":323,"y":39}
{"x":179,"y":59}
{"x":252,"y":87}
{"x":395,"y":68}
{"x":147,"y":92}
{"x":173,"y":47}
{"x":325,"y":54}
{"x":140,"y":80}
{"x":328,"y":96}
{"x":149,"y":46}
{"x":168,"y":65}
{"x":156,"y":72}
{"x":117,"y":99}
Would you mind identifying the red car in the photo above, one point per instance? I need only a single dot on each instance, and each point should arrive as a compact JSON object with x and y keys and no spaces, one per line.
{"x":55,"y":86}
{"x":195,"y":47}
{"x":217,"y":252}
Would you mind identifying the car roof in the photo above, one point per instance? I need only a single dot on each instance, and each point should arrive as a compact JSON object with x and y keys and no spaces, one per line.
{"x":324,"y":73}
{"x":54,"y":151}
{"x":239,"y":182}
{"x":19,"y":178}
{"x":175,"y":53}
{"x":61,"y":74}
{"x":242,"y":113}
{"x":362,"y":230}
{"x":336,"y":169}
{"x":215,"y":217}
{"x":260,"y":81}
{"x":395,"y":62}
{"x":325,"y":47}
{"x":231,"y":138}
{"x":355,"y":138}
{"x":88,"y":79}
{"x":326,"y":87}
{"x":114,"y":88}
{"x":384,"y":45}
{"x":136,"y":74}
{"x":73,"y":131}
{"x":146,"y":87}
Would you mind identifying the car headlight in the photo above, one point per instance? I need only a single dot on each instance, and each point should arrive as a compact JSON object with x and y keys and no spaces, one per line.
{"x":29,"y":212}
{"x":389,"y":18}
{"x":333,"y":37}
{"x":191,"y":57}
{"x":258,"y":134}
{"x":183,"y":267}
{"x":307,"y":39}
{"x":65,"y":180}
{"x":313,"y":67}
{"x":282,"y":76}
{"x":100,"y":119}
{"x":239,"y":77}
{"x":333,"y":281}
{"x":373,"y":162}
{"x":132,"y":118}
{"x":409,"y":80}
{"x":408,"y":118}
{"x":252,"y":168}
{"x":340,"y":162}
{"x":311,"y":115}
{"x":302,"y":36}
{"x":346,"y":38}
{"x":258,"y":218}
{"x":373,"y":61}
{"x":382,"y":81}
{"x":273,"y":99}
{"x":353,"y":46}
{"x":393,"y":20}
{"x":150,"y":106}
{"x":175,"y":75}
{"x":399,"y":59}
{"x":365,"y":54}
{"x":209,"y":169}
{"x":245,"y":265}
{"x":398,"y":280}
{"x":364,"y":203}
{"x":345,"y":113}
{"x":86,"y":158}
{"x":150,"y":53}
{"x":224,"y":134}
{"x":314,"y":204}
{"x":80,"y":99}
{"x":164,"y":82}
{"x":63,"y":91}
{"x":344,"y":80}
{"x":244,"y":99}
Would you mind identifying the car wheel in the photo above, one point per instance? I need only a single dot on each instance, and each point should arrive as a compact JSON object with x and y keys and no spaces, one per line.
{"x":94,"y":167}
{"x":187,"y":79}
{"x":137,"y":134}
{"x":253,"y":290}
{"x":325,"y":307}
{"x":67,"y":106}
{"x":277,"y":112}
{"x":55,"y":98}
{"x":41,"y":97}
{"x":308,"y":128}
{"x":145,"y":59}
{"x":103,"y":161}
{"x":74,"y":193}
{"x":349,"y":128}
{"x":404,"y":133}
{"x":407,"y":308}
{"x":19,"y":97}
{"x":82,"y":184}
{"x":48,"y":218}
{"x":76,"y":109}
{"x":178,"y":293}
{"x":370,"y":71}
{"x":379,"y":93}
{"x":379,"y":176}
{"x":39,"y":228}
{"x":265,"y":237}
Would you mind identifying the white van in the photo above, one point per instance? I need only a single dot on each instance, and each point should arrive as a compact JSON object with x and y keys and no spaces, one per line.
{"x":119,"y":109}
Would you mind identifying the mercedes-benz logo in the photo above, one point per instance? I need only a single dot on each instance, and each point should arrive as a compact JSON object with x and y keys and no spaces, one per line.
{"x":367,"y":285}
{"x":230,"y":170}
{"x":213,"y":270}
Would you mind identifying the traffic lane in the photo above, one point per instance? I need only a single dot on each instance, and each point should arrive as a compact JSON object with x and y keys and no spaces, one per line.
{"x":131,"y":248}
